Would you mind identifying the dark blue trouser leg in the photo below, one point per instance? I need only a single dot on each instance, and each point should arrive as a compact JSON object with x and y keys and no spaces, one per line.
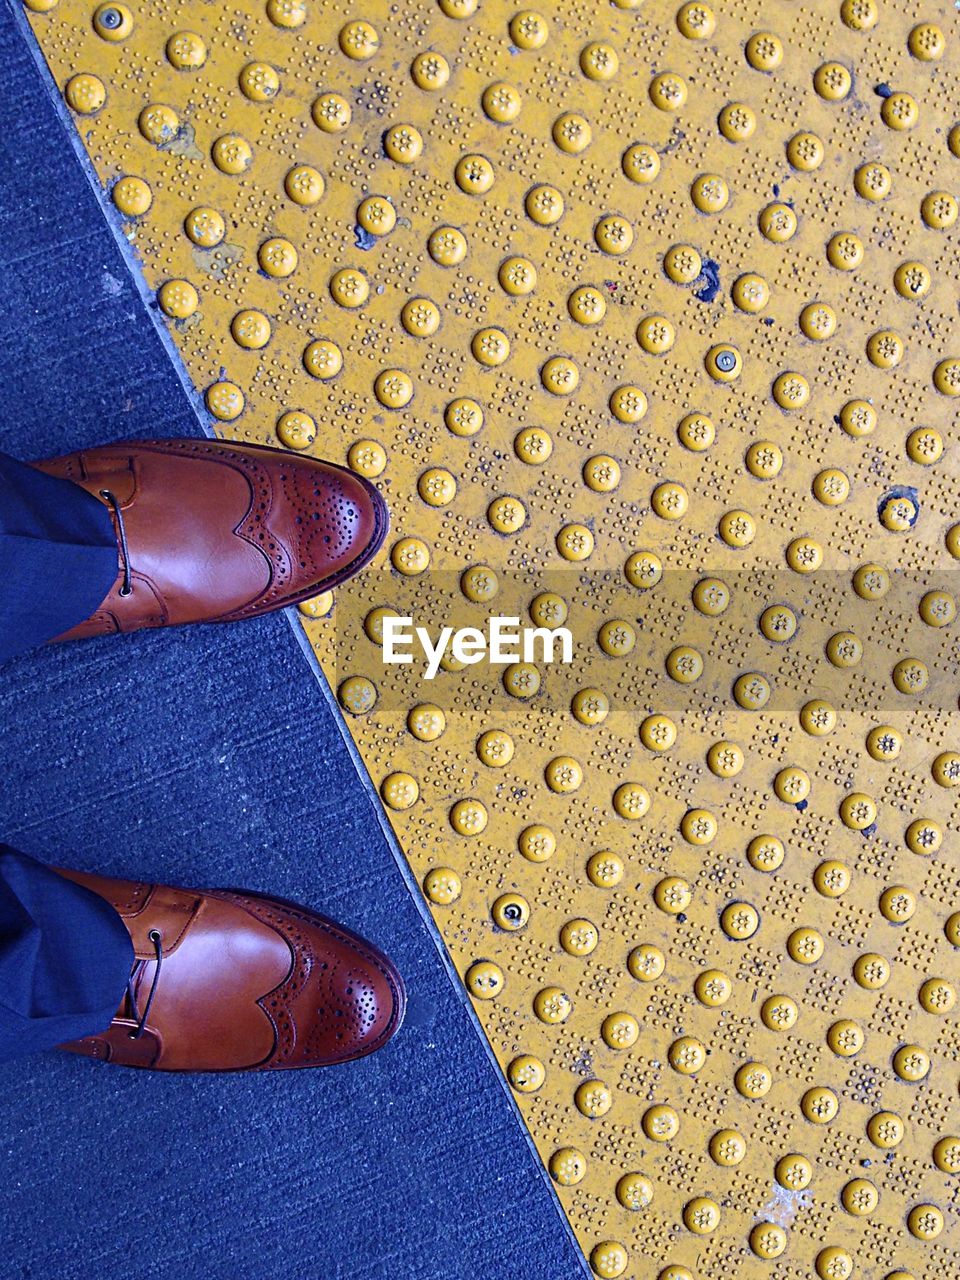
{"x":58,"y":556}
{"x":65,"y":957}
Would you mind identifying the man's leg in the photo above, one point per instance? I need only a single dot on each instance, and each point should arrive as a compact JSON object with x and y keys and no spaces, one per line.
{"x":58,"y":556}
{"x":65,"y":957}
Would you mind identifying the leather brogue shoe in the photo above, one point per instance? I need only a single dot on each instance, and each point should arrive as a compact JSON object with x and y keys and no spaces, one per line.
{"x":212,"y":531}
{"x":228,"y":981}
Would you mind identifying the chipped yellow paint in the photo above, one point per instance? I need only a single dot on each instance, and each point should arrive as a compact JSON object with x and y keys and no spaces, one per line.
{"x":644,"y":320}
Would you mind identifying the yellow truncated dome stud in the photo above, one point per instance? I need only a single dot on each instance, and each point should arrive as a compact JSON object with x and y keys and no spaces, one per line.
{"x":727,"y":1148}
{"x":85,"y":93}
{"x":673,"y":895}
{"x":567,"y":1166}
{"x":646,"y":962}
{"x":112,"y":22}
{"x":794,"y":1172}
{"x":751,"y":691}
{"x":687,"y":1055}
{"x":359,"y":40}
{"x":484,"y":980}
{"x":886,"y":1130}
{"x":403,"y":143}
{"x":251,"y":329}
{"x":586,"y":305}
{"x":501,"y":102}
{"x":572,"y":133}
{"x":620,"y":1031}
{"x":737,"y":122}
{"x":779,"y":1013}
{"x":668,"y":91}
{"x":609,"y":1259}
{"x":713,"y":988}
{"x":701,"y":1215}
{"x":643,"y":570}
{"x":660,"y":1123}
{"x":288,"y":14}
{"x":495,"y":748}
{"x":768,"y":1240}
{"x":641,"y":163}
{"x":178,"y":299}
{"x":873,"y":181}
{"x":859,"y":15}
{"x":898,"y":904}
{"x":426,"y":721}
{"x":186,"y":51}
{"x":158,"y":123}
{"x":764,"y":51}
{"x":911,"y":1062}
{"x":939,"y":210}
{"x":510,"y":912}
{"x":526,"y":1073}
{"x":544,"y":205}
{"x":635,"y":1191}
{"x":925,"y":1221}
{"x":820,"y":1105}
{"x":579,"y":937}
{"x":710,"y":193}
{"x":604,"y":869}
{"x":393,"y":388}
{"x":832,"y":81}
{"x":765,"y":853}
{"x":367,"y":458}
{"x":753,"y":1080}
{"x":277,"y":257}
{"x":590,"y":706}
{"x":357,"y":695}
{"x":845,"y":1038}
{"x":552,"y":1005}
{"x":750,"y":293}
{"x":628,"y":404}
{"x":537,"y":843}
{"x":805,"y":946}
{"x":400,"y":790}
{"x":132,"y":196}
{"x":430,"y":71}
{"x":529,"y":30}
{"x":698,"y":826}
{"x":778,"y":222}
{"x":259,"y":81}
{"x":232,"y":154}
{"x":331,"y":112}
{"x":696,"y":20}
{"x":225,"y":401}
{"x":575,"y":542}
{"x":832,"y":878}
{"x":205,"y":227}
{"x":443,"y":886}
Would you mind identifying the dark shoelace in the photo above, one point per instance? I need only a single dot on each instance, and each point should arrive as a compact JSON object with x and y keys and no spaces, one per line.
{"x":114,"y":502}
{"x":141,"y":1018}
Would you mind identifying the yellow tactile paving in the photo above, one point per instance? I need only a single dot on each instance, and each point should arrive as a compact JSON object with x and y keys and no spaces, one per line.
{"x":643,"y":318}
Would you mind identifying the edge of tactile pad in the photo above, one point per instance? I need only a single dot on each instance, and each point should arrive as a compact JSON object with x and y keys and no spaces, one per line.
{"x":413,"y":888}
{"x":132,"y":263}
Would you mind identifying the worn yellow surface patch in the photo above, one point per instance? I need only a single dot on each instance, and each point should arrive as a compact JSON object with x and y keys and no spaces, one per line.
{"x":651,"y":315}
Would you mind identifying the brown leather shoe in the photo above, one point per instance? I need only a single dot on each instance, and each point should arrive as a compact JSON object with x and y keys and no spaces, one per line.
{"x":210,"y":531}
{"x":227,"y":981}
